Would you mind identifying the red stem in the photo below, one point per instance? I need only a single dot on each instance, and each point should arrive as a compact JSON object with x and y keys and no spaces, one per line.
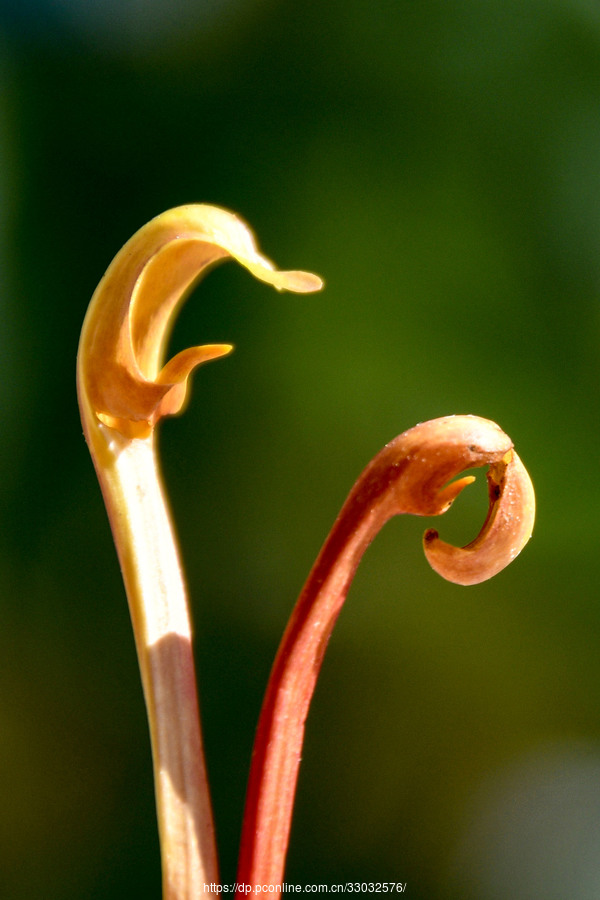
{"x":280,"y":732}
{"x":412,"y":474}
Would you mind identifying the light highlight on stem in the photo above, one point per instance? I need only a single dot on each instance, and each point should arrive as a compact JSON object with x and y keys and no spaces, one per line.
{"x":155,"y":588}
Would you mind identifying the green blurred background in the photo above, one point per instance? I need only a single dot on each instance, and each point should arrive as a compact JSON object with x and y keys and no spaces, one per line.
{"x":438,"y":163}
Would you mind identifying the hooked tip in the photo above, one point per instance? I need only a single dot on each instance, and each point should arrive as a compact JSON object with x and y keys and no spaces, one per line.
{"x":122,"y":381}
{"x":506,"y":530}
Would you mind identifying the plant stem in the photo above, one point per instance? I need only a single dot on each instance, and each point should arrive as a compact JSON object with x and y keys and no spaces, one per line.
{"x":280,"y":732}
{"x":125,"y":388}
{"x":413,"y":474}
{"x":151,"y":569}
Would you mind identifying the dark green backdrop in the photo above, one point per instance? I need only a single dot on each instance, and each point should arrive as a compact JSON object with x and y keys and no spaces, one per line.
{"x":438,"y":163}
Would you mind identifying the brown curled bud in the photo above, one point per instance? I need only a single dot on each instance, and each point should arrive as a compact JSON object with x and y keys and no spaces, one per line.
{"x":506,"y":530}
{"x":416,"y":473}
{"x":430,"y":456}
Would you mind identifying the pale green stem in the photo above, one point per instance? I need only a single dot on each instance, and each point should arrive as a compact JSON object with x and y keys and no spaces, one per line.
{"x":124,"y":390}
{"x":143,"y":534}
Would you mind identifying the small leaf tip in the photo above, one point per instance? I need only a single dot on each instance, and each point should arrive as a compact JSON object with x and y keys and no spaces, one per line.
{"x":303,"y":282}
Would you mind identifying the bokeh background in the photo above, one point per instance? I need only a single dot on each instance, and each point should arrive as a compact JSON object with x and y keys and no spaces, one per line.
{"x":438,"y":163}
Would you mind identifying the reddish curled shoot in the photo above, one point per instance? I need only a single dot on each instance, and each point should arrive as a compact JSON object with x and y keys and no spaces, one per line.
{"x":413,"y":474}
